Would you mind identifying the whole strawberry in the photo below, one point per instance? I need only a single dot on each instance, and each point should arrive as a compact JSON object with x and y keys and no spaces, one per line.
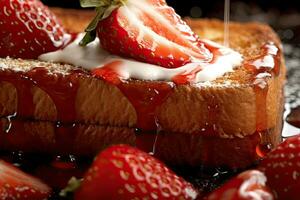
{"x":28,"y":29}
{"x":145,"y":30}
{"x":282,"y":168}
{"x":249,"y":185}
{"x":123,"y":172}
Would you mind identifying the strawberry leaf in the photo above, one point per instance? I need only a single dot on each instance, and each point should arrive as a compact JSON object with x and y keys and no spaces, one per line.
{"x":88,"y":37}
{"x":93,"y":24}
{"x":103,"y":8}
{"x":94,"y":3}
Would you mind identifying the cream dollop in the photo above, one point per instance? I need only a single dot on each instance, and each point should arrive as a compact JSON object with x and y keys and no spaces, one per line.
{"x":93,"y":56}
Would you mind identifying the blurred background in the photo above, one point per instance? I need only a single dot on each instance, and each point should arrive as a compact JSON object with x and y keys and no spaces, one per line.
{"x":283,"y":16}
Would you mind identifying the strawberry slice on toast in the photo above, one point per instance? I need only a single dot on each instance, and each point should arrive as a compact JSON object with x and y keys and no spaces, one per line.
{"x":145,"y":30}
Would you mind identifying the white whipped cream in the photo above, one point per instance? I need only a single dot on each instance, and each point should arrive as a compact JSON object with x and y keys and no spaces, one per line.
{"x":93,"y":56}
{"x":3,"y":66}
{"x":268,"y":60}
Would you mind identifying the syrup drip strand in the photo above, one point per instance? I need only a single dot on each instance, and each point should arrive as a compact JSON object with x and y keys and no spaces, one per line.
{"x":262,"y":67}
{"x":226,"y":22}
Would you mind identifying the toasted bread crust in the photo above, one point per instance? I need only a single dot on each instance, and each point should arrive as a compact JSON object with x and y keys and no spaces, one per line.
{"x":227,"y":105}
{"x":187,"y":108}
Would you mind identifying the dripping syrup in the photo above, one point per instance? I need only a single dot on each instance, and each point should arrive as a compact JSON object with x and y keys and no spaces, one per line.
{"x":226,"y":22}
{"x":146,"y":97}
{"x":60,"y":88}
{"x":263,"y":67}
{"x":23,"y":85}
{"x":263,"y":149}
{"x":293,"y":117}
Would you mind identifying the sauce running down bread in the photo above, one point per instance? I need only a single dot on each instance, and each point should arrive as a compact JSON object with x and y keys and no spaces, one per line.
{"x":127,"y":71}
{"x":145,"y":99}
{"x":60,"y":88}
{"x":264,"y":66}
{"x":157,"y":84}
{"x":116,"y":70}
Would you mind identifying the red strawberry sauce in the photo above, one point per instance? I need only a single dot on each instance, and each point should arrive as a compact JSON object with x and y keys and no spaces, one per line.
{"x":146,"y":98}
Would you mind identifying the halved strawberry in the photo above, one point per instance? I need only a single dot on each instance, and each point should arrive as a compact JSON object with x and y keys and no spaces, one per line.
{"x":282,"y":168}
{"x":123,"y":172}
{"x":146,"y":30}
{"x":15,"y":184}
{"x":28,"y":29}
{"x":249,"y":185}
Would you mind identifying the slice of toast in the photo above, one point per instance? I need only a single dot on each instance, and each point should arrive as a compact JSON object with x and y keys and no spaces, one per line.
{"x":226,"y":122}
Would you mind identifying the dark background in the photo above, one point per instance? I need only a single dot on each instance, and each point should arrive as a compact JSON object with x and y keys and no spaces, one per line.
{"x":183,"y":6}
{"x":283,"y":16}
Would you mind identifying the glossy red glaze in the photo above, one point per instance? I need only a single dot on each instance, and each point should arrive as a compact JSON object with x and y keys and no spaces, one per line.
{"x":109,"y":72}
{"x":145,"y":97}
{"x":261,"y":107}
{"x":263,"y":149}
{"x":188,"y":76}
{"x":23,"y":85}
{"x":260,"y":64}
{"x":60,"y":88}
{"x":263,"y":67}
{"x":215,"y":51}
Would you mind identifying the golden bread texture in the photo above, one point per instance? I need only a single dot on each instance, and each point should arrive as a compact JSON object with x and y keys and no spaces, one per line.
{"x":186,"y":111}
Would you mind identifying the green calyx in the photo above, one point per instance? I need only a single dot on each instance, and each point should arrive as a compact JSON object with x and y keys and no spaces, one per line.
{"x":103,"y":8}
{"x":72,"y":186}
